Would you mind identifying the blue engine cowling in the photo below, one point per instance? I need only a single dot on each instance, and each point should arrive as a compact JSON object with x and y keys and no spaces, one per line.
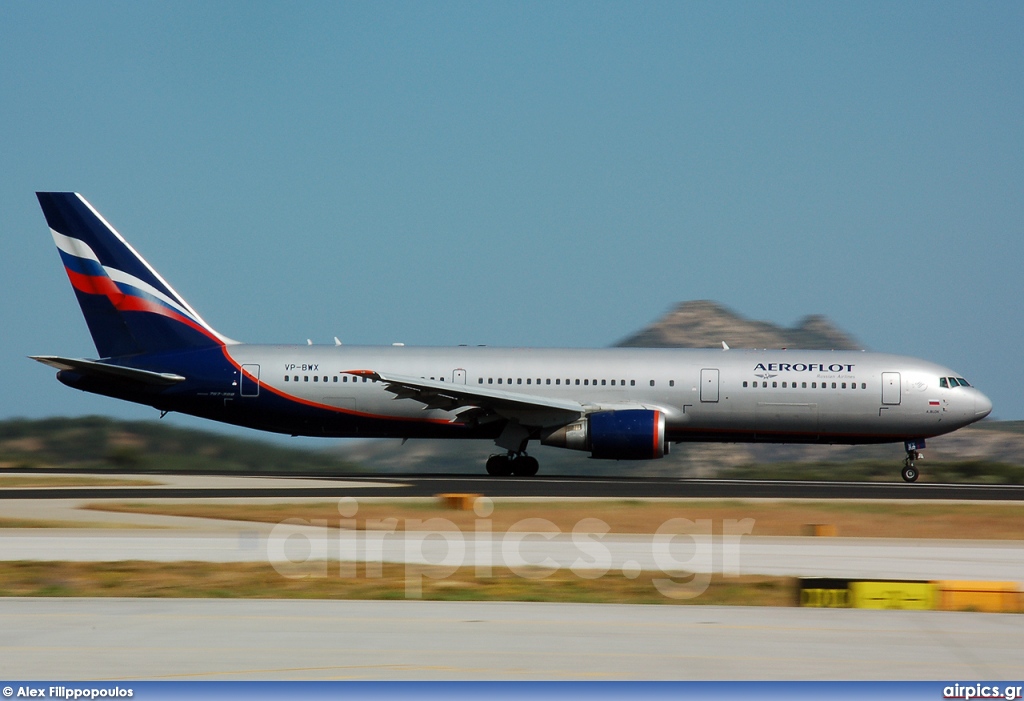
{"x":629,"y":434}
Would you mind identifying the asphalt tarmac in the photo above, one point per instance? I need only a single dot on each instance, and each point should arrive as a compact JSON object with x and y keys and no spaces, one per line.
{"x":539,"y":487}
{"x":217,"y":639}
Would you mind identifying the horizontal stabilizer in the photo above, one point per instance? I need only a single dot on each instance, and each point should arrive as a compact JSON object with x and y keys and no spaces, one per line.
{"x":107,"y":371}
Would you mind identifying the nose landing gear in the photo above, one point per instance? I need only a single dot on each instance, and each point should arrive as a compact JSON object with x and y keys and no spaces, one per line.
{"x":519,"y":464}
{"x":910,"y":472}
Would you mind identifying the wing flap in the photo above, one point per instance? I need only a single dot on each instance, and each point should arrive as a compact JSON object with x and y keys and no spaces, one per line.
{"x":476,"y":404}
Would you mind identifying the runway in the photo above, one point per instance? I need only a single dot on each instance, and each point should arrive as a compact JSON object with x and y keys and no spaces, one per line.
{"x":208,"y":639}
{"x":536,"y":487}
{"x":118,"y":639}
{"x":286,"y":545}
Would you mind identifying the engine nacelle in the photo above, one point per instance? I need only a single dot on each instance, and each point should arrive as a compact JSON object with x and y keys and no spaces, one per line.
{"x":629,"y":434}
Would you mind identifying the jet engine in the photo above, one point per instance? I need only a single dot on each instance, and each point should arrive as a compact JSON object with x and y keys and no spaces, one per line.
{"x":628,"y":434}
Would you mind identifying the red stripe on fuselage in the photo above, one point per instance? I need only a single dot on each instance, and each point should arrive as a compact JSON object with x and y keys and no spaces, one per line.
{"x":328,"y":407}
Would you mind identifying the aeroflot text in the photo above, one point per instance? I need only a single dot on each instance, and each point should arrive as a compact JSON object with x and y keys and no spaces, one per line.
{"x":803,"y":367}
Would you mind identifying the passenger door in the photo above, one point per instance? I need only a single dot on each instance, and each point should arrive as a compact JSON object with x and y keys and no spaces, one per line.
{"x":891,"y":392}
{"x":709,"y":384}
{"x":249,"y":381}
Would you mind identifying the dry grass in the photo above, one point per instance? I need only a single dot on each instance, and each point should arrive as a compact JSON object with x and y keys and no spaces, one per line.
{"x":44,"y":481}
{"x":785,"y":518}
{"x":7,"y":522}
{"x":262,"y":581}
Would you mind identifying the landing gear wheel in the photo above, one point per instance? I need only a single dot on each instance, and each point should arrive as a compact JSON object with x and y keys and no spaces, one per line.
{"x":499,"y":465}
{"x":525,"y":466}
{"x":909,"y":473}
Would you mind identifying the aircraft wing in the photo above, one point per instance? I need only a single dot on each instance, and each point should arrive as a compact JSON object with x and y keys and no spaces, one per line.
{"x":109,"y":372}
{"x":473,"y":404}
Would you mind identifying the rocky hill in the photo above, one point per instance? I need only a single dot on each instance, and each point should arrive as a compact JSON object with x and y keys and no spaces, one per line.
{"x":706,"y":324}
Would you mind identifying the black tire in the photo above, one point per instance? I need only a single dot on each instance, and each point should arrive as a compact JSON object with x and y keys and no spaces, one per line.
{"x":525,"y":465}
{"x":499,"y":466}
{"x":910,"y":473}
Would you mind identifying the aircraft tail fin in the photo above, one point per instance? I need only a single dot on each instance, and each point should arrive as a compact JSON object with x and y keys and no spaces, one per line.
{"x":128,"y":307}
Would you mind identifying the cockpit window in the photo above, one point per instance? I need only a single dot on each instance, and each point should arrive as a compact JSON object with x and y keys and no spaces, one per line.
{"x":953,"y":382}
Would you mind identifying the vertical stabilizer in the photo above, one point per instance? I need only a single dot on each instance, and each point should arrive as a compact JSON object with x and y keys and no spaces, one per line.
{"x":129,"y":308}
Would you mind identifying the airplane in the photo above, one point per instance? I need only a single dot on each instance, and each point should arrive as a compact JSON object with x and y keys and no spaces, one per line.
{"x":614,"y":403}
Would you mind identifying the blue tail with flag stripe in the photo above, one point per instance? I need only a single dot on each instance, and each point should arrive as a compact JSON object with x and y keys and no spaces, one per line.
{"x":129,"y":308}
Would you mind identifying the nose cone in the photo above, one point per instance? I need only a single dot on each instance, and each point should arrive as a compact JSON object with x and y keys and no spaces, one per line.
{"x":982,"y":406}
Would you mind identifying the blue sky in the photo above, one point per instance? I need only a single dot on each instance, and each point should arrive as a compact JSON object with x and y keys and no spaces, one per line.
{"x":550,"y":174}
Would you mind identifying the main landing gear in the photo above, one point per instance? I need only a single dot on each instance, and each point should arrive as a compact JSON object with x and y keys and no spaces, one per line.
{"x":512,"y":464}
{"x":910,"y":471}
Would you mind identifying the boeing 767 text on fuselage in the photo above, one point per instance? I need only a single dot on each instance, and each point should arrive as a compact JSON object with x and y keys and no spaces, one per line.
{"x":615,"y":403}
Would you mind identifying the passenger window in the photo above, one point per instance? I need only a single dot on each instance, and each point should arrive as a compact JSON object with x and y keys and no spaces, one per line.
{"x":480,"y":380}
{"x":803,"y":385}
{"x":632,"y":383}
{"x":814,"y":385}
{"x":558,"y":380}
{"x":783,"y":385}
{"x":490,"y":380}
{"x":548,"y":381}
{"x":519,"y":380}
{"x":305,"y":378}
{"x":671,"y":383}
{"x":604,"y":382}
{"x":335,"y":378}
{"x":833,"y":385}
{"x":577,"y":382}
{"x":285,"y":378}
{"x":744,"y":383}
{"x":510,"y":380}
{"x":499,"y":380}
{"x":586,"y":382}
{"x":775,"y":385}
{"x":764,"y":384}
{"x":652,"y":383}
{"x":613,"y":383}
{"x":316,"y":378}
{"x":863,"y":385}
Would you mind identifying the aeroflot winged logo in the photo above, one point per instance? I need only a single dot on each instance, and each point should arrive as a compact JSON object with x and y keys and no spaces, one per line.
{"x":803,"y":367}
{"x":89,"y":275}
